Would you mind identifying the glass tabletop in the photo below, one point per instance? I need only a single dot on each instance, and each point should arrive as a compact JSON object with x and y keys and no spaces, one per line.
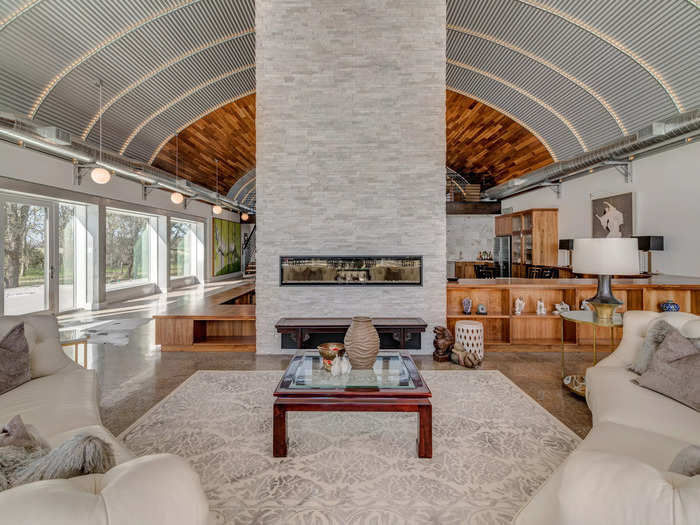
{"x":589,"y":317}
{"x":306,"y":372}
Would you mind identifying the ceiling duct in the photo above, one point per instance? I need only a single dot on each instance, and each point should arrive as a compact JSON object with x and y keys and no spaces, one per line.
{"x":649,"y":137}
{"x":56,"y":141}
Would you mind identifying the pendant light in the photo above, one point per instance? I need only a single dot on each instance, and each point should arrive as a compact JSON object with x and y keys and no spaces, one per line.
{"x":216,"y":209}
{"x":100,"y":175}
{"x":177,"y":197}
{"x":244,"y":216}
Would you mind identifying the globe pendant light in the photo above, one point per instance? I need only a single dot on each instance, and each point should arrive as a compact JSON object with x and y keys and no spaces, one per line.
{"x":99,"y":175}
{"x":177,"y":197}
{"x":216,"y":209}
{"x":244,"y":216}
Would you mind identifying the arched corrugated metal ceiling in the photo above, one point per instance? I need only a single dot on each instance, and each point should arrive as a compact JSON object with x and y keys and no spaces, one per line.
{"x":578,"y":74}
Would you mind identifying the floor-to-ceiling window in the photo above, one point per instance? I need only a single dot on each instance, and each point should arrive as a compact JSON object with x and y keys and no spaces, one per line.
{"x":183,"y":248}
{"x":128,"y":248}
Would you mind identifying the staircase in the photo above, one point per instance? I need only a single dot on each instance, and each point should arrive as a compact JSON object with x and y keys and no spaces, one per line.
{"x":249,"y":254}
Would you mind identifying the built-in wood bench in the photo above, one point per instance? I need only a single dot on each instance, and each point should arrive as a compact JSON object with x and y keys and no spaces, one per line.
{"x":221,"y":322}
{"x":307,"y":332}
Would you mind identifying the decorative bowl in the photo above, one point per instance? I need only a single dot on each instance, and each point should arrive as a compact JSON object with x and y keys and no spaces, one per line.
{"x":669,"y":306}
{"x":330,"y":351}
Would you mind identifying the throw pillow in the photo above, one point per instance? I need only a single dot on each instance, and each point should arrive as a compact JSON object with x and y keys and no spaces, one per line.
{"x":687,"y":462}
{"x":598,"y":488}
{"x":14,"y":359}
{"x":655,"y":335}
{"x":674,"y":370}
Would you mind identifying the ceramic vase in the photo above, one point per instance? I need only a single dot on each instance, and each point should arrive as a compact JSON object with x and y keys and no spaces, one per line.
{"x":669,"y":306}
{"x":362,"y":343}
{"x":467,"y":305}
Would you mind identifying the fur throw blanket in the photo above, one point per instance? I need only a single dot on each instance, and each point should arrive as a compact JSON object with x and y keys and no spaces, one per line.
{"x":25,"y":457}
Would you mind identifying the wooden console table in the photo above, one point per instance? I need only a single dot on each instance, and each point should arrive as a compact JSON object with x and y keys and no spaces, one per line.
{"x":300,"y":328}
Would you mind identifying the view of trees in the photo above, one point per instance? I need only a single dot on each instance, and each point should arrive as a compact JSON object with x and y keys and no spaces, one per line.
{"x":25,"y":245}
{"x":180,"y":249}
{"x":126,"y":247}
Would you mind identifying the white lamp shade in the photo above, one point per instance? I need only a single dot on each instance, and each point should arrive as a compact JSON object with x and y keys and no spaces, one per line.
{"x":100,"y":175}
{"x":177,"y":197}
{"x":605,"y":256}
{"x":216,"y":209}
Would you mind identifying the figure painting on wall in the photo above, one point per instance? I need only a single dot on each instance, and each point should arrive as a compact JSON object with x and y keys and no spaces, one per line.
{"x":226,"y":247}
{"x":613,"y":216}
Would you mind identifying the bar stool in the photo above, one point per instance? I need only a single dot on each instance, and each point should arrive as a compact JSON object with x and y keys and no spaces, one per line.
{"x":471,"y":335}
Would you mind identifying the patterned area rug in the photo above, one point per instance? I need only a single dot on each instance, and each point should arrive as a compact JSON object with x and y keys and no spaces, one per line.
{"x":493,"y":446}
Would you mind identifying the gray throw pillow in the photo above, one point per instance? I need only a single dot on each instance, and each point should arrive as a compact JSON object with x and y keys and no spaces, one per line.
{"x":655,"y":336}
{"x":674,"y":370}
{"x":14,"y":360}
{"x":687,"y":462}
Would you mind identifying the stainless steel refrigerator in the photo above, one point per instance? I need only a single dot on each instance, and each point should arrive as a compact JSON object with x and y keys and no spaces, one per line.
{"x":501,"y":255}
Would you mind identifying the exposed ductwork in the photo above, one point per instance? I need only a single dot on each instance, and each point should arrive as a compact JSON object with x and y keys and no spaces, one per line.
{"x":55,"y":141}
{"x":616,"y":153}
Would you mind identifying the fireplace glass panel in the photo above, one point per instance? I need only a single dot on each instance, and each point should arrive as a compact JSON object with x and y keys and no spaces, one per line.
{"x":369,"y":270}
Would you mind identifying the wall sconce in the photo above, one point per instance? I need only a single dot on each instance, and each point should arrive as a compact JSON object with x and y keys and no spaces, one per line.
{"x":650,"y":243}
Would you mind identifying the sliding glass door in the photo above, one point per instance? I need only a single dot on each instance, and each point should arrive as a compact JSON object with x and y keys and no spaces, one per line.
{"x":27,"y":271}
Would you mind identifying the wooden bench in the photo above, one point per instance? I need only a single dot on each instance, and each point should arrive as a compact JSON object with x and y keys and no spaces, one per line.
{"x":301,"y":329}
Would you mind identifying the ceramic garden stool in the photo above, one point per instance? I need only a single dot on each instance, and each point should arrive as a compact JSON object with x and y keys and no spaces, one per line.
{"x":471,"y":335}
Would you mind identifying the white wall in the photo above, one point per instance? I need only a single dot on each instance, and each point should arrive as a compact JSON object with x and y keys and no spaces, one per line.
{"x":667,"y":188}
{"x":468,"y":235}
{"x":350,"y":152}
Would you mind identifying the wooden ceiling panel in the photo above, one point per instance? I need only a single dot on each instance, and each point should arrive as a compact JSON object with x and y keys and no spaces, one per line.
{"x":481,"y":140}
{"x":227,"y":134}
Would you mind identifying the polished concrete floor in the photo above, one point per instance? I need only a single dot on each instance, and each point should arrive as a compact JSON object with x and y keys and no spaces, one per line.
{"x":135,"y":377}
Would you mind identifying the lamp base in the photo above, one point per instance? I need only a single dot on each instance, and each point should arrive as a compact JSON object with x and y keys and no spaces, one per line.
{"x":604,"y":303}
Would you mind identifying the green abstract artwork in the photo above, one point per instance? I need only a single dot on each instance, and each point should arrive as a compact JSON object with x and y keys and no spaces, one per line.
{"x":226,"y":247}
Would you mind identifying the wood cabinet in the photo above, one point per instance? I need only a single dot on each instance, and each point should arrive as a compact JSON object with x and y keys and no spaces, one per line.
{"x":503,"y":225}
{"x":534,"y":237}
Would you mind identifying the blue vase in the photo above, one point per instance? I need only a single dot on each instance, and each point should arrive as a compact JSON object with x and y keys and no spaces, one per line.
{"x":669,"y":306}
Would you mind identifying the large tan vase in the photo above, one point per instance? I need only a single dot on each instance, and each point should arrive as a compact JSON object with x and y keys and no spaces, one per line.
{"x":362,"y":343}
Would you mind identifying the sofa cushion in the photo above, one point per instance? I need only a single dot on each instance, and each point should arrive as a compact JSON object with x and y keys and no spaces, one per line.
{"x":674,"y":370}
{"x":687,"y":462}
{"x":599,"y":487}
{"x":45,"y":353}
{"x":656,"y":333}
{"x":613,"y":397}
{"x":55,"y":403}
{"x":14,"y":359}
{"x":121,"y":453}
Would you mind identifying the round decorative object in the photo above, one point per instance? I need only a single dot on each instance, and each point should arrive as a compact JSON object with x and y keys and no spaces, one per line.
{"x":469,"y":338}
{"x":481,"y":309}
{"x":362,"y":343}
{"x":577,"y":384}
{"x":669,"y":306}
{"x":330,"y":351}
{"x":467,"y":305}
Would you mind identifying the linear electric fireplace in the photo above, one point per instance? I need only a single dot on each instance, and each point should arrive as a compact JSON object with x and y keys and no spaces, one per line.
{"x":406,"y":270}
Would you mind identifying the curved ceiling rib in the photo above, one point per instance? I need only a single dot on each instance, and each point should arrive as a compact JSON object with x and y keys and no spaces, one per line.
{"x":158,"y":70}
{"x":180,"y":98}
{"x":548,"y":64}
{"x":529,"y":95}
{"x":192,"y":121}
{"x":613,"y":42}
{"x":17,"y":13}
{"x":113,"y":38}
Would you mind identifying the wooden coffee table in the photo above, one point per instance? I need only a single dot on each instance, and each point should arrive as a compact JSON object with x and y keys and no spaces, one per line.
{"x":393,"y":385}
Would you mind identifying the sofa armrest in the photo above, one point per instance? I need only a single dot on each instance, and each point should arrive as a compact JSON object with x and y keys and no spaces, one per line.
{"x":158,"y":489}
{"x":153,"y":490}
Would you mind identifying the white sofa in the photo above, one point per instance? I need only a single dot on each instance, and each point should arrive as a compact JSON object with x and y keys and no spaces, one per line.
{"x":628,"y":420}
{"x":61,"y":401}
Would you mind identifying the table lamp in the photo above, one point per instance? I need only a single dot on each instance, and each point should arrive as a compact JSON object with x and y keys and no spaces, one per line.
{"x":605,"y":257}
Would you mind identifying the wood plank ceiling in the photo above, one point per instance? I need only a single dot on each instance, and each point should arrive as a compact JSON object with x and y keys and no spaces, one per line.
{"x":482,"y":144}
{"x":227,"y":134}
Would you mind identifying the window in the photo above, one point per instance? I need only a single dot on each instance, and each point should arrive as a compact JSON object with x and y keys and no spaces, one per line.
{"x":128,"y":248}
{"x":183,"y":248}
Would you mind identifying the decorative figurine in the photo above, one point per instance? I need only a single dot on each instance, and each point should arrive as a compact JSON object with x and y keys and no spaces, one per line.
{"x":519,"y":305}
{"x":340,"y":366}
{"x":561,"y":307}
{"x":541,"y":308}
{"x":481,"y":309}
{"x":443,"y":343}
{"x":462,"y":357}
{"x":467,"y":305}
{"x":584,"y":305}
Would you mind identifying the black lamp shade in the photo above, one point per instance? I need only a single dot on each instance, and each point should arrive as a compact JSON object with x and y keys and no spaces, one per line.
{"x":566,"y":244}
{"x":648,"y":243}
